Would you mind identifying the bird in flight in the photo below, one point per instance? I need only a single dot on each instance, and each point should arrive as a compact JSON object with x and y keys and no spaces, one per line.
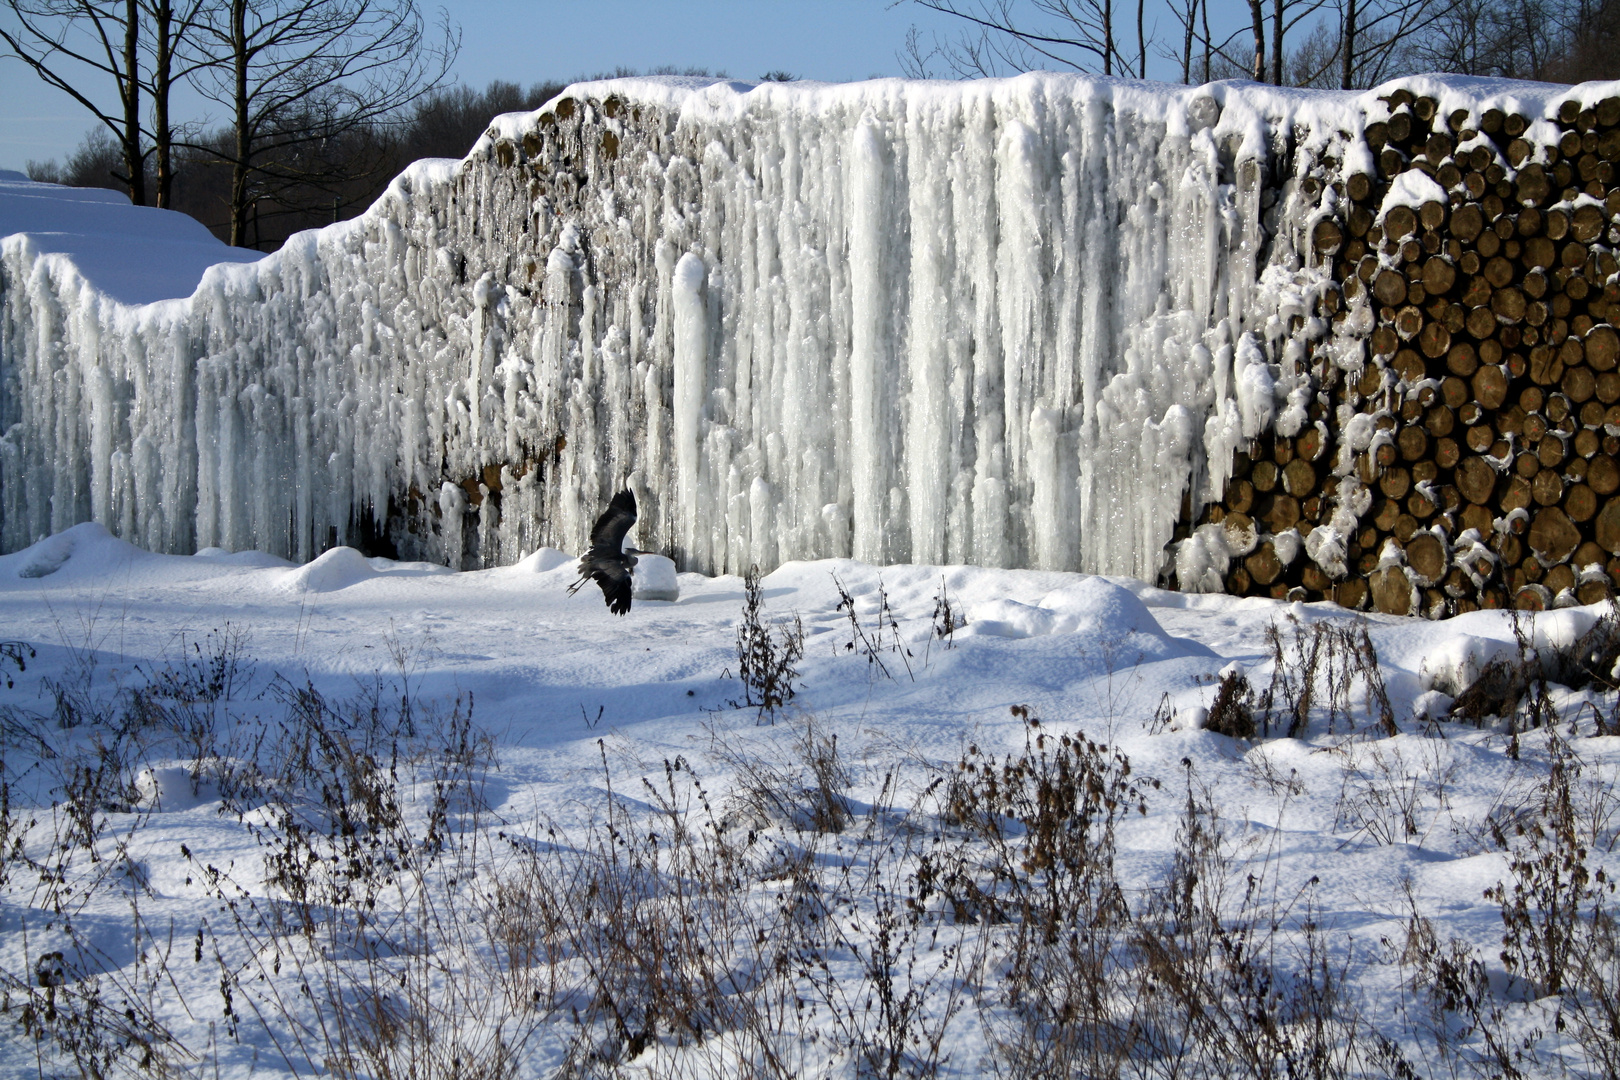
{"x":608,"y":561}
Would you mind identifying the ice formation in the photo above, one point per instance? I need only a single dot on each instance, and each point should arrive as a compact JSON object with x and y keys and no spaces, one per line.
{"x":1012,"y":323}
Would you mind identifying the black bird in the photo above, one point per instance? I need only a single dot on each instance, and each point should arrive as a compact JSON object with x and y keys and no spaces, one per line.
{"x":608,"y":560}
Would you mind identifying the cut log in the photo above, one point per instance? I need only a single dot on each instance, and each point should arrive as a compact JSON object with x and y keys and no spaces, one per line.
{"x":1592,"y":592}
{"x":1467,"y":222}
{"x":1579,"y":383}
{"x":1588,"y":554}
{"x":1587,"y":223}
{"x":1409,"y":321}
{"x":1389,"y":288}
{"x":1603,"y":474}
{"x":1279,"y":512}
{"x":1547,"y":488}
{"x":1462,"y":360}
{"x":1580,"y":502}
{"x":1532,"y":597}
{"x":1434,"y":340}
{"x":1550,"y":452}
{"x":1490,"y":386}
{"x":1606,"y":528}
{"x":1327,"y":236}
{"x":1553,"y":537}
{"x":1400,"y":222}
{"x":1476,"y":479}
{"x":1391,"y":591}
{"x":1426,"y":558}
{"x":1474,"y":516}
{"x":1263,"y":566}
{"x":1499,"y":272}
{"x":1239,"y":496}
{"x":1508,"y":304}
{"x":1558,"y":579}
{"x":1481,"y":321}
{"x":1438,"y":276}
{"x":1351,"y":594}
{"x":1395,"y":482}
{"x":1413,"y":443}
{"x":1299,"y":478}
{"x":1546,"y":366}
{"x":1602,"y":348}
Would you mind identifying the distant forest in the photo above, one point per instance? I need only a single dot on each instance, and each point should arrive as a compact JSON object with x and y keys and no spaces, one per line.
{"x":317,"y":152}
{"x":353,"y":171}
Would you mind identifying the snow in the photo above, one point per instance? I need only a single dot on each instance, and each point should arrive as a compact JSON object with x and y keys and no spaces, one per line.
{"x":131,"y":254}
{"x":1412,"y":188}
{"x":563,"y":686}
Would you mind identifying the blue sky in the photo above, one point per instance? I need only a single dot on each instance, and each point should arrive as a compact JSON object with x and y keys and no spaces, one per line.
{"x":530,"y":41}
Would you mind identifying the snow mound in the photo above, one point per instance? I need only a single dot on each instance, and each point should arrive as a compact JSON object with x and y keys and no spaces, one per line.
{"x":254,"y":560}
{"x":92,"y":550}
{"x":1091,"y":608}
{"x":1009,"y":618}
{"x":134,"y":254}
{"x":543,"y":561}
{"x":1454,"y":663}
{"x":337,"y":569}
{"x":654,"y":579}
{"x":344,"y":566}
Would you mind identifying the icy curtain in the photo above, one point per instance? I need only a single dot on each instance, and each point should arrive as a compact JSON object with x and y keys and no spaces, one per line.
{"x":980,"y":322}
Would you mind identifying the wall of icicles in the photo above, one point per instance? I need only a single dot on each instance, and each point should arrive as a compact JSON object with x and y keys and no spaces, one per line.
{"x":1013,"y":323}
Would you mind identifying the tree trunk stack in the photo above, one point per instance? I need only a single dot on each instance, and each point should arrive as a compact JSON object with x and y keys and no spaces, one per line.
{"x":1491,"y":378}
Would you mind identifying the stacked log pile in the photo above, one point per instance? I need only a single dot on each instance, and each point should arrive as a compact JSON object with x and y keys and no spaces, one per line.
{"x":1485,"y":424}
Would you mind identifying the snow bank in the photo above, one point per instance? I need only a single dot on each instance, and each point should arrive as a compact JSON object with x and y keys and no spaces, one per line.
{"x":1008,"y":322}
{"x":131,"y":254}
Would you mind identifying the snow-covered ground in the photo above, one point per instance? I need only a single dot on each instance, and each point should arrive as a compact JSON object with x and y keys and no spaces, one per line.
{"x":129,"y":254}
{"x":1333,"y":839}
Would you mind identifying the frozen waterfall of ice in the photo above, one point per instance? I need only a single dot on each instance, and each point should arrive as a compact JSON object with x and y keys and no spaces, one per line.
{"x":1009,"y":322}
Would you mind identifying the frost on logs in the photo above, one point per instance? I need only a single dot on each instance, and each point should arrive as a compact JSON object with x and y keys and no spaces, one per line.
{"x":1011,"y":323}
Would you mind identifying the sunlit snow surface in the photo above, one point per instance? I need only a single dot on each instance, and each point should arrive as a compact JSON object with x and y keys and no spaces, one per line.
{"x":130,"y":254}
{"x":560,"y":682}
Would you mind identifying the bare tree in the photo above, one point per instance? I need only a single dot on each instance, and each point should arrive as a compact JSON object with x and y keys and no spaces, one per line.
{"x":1257,"y":15}
{"x":58,"y":37}
{"x":300,"y":77}
{"x":1185,"y":12}
{"x":1286,"y":15}
{"x":1001,"y":36}
{"x":1376,"y":35}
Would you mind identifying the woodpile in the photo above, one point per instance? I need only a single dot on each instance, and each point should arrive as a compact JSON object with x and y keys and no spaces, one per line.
{"x":1491,"y":378}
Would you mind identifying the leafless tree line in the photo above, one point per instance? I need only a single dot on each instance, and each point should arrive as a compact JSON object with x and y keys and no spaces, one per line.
{"x":1344,"y":44}
{"x":344,"y":174}
{"x":304,"y":87}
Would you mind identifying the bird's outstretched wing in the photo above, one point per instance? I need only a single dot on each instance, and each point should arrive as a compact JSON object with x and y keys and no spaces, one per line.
{"x":606,"y":562}
{"x":616,"y":580}
{"x":607,"y":535}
